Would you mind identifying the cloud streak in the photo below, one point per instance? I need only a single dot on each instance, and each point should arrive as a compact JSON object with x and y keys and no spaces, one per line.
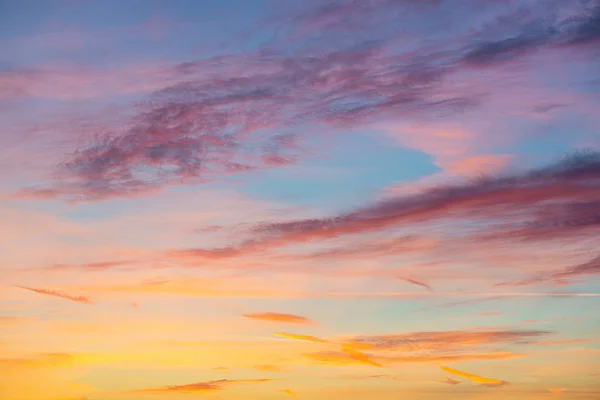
{"x":277,"y":317}
{"x":199,"y":387}
{"x":49,"y":292}
{"x":568,"y":181}
{"x":475,"y":378}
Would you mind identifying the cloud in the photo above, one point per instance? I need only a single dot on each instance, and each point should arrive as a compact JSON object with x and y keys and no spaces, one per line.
{"x":419,"y":341}
{"x":218,"y":115}
{"x":418,"y":283}
{"x":44,"y":360}
{"x":556,"y":391}
{"x":568,"y":181}
{"x":342,"y":358}
{"x":586,"y":29}
{"x":540,"y":32}
{"x":363,"y":249}
{"x":451,"y":381}
{"x":80,"y":299}
{"x":200,"y":387}
{"x":497,"y":52}
{"x":94,"y":266}
{"x":475,"y":378}
{"x":489,"y":313}
{"x":591,"y":267}
{"x":197,"y":287}
{"x":288,"y":392}
{"x":418,"y":347}
{"x":359,"y":356}
{"x":277,"y":317}
{"x":269,"y":368}
{"x":377,"y":376}
{"x":300,"y":337}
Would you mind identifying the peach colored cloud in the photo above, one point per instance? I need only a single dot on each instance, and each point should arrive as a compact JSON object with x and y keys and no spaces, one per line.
{"x":41,"y":360}
{"x":269,"y":368}
{"x":288,"y":392}
{"x":197,"y":287}
{"x":88,"y":266}
{"x":300,"y":337}
{"x":419,"y":341}
{"x":80,"y":299}
{"x":359,"y":356}
{"x":277,"y":317}
{"x":200,"y":387}
{"x":451,"y":381}
{"x":475,"y":378}
{"x":342,"y":358}
{"x":556,"y":391}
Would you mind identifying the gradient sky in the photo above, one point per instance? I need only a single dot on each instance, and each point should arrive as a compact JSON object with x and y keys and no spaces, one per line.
{"x":260,"y":199}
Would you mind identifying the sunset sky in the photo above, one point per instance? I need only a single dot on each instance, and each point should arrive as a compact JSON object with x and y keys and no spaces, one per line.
{"x":269,"y":199}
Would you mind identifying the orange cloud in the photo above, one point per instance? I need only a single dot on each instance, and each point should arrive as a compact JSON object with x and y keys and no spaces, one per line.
{"x":80,"y":299}
{"x":197,"y":287}
{"x":200,"y":387}
{"x":300,"y":337}
{"x":41,"y":360}
{"x":451,"y":381}
{"x":359,"y":356}
{"x":475,"y":378}
{"x":556,"y":391}
{"x":93,"y":266}
{"x":288,"y":392}
{"x":269,"y":368}
{"x":343,"y":358}
{"x":277,"y":317}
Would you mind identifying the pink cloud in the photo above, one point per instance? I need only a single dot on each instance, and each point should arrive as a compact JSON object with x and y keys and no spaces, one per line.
{"x":569,"y":182}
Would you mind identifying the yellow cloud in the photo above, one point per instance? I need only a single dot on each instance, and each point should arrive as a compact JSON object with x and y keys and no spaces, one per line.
{"x":359,"y":356}
{"x":300,"y":337}
{"x":475,"y":378}
{"x":556,"y":391}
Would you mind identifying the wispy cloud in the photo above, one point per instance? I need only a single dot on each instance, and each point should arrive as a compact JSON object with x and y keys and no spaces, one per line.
{"x":269,"y":368}
{"x":277,"y":317}
{"x":200,"y":387}
{"x":451,"y":381}
{"x":341,"y":358}
{"x":49,"y":360}
{"x":288,"y":392}
{"x":92,"y":266}
{"x":569,"y":181}
{"x":194,"y":125}
{"x":49,"y":292}
{"x":556,"y":391}
{"x":591,"y":267}
{"x":300,"y":337}
{"x":475,"y":378}
{"x":359,"y":356}
{"x":418,"y":341}
{"x":418,"y":283}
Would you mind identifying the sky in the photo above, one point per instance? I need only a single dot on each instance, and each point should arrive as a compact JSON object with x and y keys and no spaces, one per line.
{"x":260,"y":199}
